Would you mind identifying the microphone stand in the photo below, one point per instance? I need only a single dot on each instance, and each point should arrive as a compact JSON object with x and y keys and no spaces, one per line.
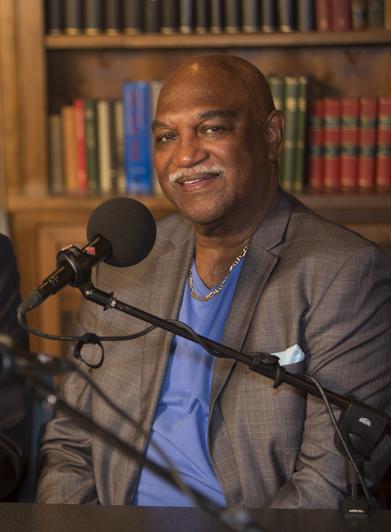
{"x":362,"y":425}
{"x":237,"y":519}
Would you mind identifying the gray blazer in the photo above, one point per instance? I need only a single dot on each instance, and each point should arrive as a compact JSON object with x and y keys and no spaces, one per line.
{"x":305,"y":282}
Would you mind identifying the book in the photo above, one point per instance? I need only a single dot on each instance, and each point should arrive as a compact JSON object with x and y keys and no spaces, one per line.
{"x":367,"y":142}
{"x":250,"y":16}
{"x":111,"y":17}
{"x":383,"y":150}
{"x":316,"y":146}
{"x":341,"y":16}
{"x":305,"y":15}
{"x":216,"y":16}
{"x":323,"y":15}
{"x":81,"y":155}
{"x":93,"y":16}
{"x":54,"y":17}
{"x":56,"y":156}
{"x":91,"y":133}
{"x":152,"y":17}
{"x":103,"y":122}
{"x":331,"y":142}
{"x":232,"y":16}
{"x":156,"y":86}
{"x":169,"y":14}
{"x":300,"y":136}
{"x":186,"y":16}
{"x":286,"y":15}
{"x":359,"y":14}
{"x":137,"y":149}
{"x":375,"y":13}
{"x":69,"y":150}
{"x":202,"y":21}
{"x":387,"y":14}
{"x":348,"y":168}
{"x":291,"y":116}
{"x":72,"y":17}
{"x":269,"y":16}
{"x":132,"y":17}
{"x":120,"y":185}
{"x":276,"y":84}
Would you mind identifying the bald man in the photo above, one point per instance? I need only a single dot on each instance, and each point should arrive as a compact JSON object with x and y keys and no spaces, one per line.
{"x":248,"y":265}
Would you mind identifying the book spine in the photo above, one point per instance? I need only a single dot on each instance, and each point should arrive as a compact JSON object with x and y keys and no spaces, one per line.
{"x":119,"y":146}
{"x":72,"y":17}
{"x":56,"y":156}
{"x":232,"y":16}
{"x":375,"y":13}
{"x":69,"y":150}
{"x":112,"y":149}
{"x":341,"y":16}
{"x":152,"y":18}
{"x":104,"y":146}
{"x":331,"y":138}
{"x":387,"y":14}
{"x":269,"y":16}
{"x":156,"y":86}
{"x":93,"y":17}
{"x":323,"y":15}
{"x":202,"y":17}
{"x":250,"y":16}
{"x":276,"y":84}
{"x":359,"y":14}
{"x":286,"y":15}
{"x":316,"y":148}
{"x":138,"y":157}
{"x":349,"y":143}
{"x":216,"y":16}
{"x":170,"y":13}
{"x":81,"y":156}
{"x":132,"y":17}
{"x":55,"y":17}
{"x":90,"y":124}
{"x":186,"y":16}
{"x":367,"y":142}
{"x":299,"y":169}
{"x":291,"y":116}
{"x":383,"y":152}
{"x":112,"y":17}
{"x":305,"y":15}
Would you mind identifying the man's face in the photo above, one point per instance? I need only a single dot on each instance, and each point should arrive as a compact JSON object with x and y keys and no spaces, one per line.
{"x":210,"y":151}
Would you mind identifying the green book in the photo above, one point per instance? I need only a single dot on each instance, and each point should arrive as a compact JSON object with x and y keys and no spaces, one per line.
{"x":291,"y":119}
{"x":90,"y":124}
{"x":277,"y":88}
{"x":299,"y":169}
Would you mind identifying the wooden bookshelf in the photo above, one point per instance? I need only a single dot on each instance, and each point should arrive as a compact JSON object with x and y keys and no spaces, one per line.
{"x":40,"y":73}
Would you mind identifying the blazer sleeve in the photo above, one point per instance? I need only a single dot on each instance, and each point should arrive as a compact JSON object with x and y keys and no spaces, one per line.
{"x":66,"y":469}
{"x":348,"y":341}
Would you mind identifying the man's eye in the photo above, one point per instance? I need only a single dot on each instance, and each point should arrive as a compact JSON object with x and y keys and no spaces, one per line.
{"x":166,"y":137}
{"x":214,"y":129}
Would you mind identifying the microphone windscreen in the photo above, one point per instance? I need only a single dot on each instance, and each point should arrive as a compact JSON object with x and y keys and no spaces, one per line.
{"x":128,"y":225}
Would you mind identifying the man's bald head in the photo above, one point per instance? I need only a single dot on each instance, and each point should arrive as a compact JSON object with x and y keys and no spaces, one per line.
{"x":231,"y":73}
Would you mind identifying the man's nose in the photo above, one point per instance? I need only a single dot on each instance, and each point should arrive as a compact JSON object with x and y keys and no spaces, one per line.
{"x":189,"y":151}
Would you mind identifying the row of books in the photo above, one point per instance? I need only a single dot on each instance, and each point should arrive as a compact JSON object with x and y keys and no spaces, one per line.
{"x":350,"y":144}
{"x":104,"y":146}
{"x":92,"y":17}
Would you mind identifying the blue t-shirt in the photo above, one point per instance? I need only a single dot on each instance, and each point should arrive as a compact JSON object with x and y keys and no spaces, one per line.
{"x":180,"y":427}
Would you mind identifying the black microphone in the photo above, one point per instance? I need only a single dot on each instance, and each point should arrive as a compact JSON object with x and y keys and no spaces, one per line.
{"x":121,"y":232}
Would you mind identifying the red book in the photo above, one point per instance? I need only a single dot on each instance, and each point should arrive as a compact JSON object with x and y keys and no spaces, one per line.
{"x":331,"y":140}
{"x":383,"y":155}
{"x":323,"y":15}
{"x":350,"y":112}
{"x":315,"y":161}
{"x":367,"y":142}
{"x":81,"y":153}
{"x":341,"y":15}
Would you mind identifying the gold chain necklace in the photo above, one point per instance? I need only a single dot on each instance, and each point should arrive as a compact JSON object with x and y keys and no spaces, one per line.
{"x":219,"y":287}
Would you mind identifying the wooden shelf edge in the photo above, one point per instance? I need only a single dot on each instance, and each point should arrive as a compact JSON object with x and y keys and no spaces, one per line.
{"x":223,"y":40}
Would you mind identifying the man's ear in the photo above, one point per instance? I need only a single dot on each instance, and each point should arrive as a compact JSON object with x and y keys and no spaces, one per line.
{"x":274,"y":129}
